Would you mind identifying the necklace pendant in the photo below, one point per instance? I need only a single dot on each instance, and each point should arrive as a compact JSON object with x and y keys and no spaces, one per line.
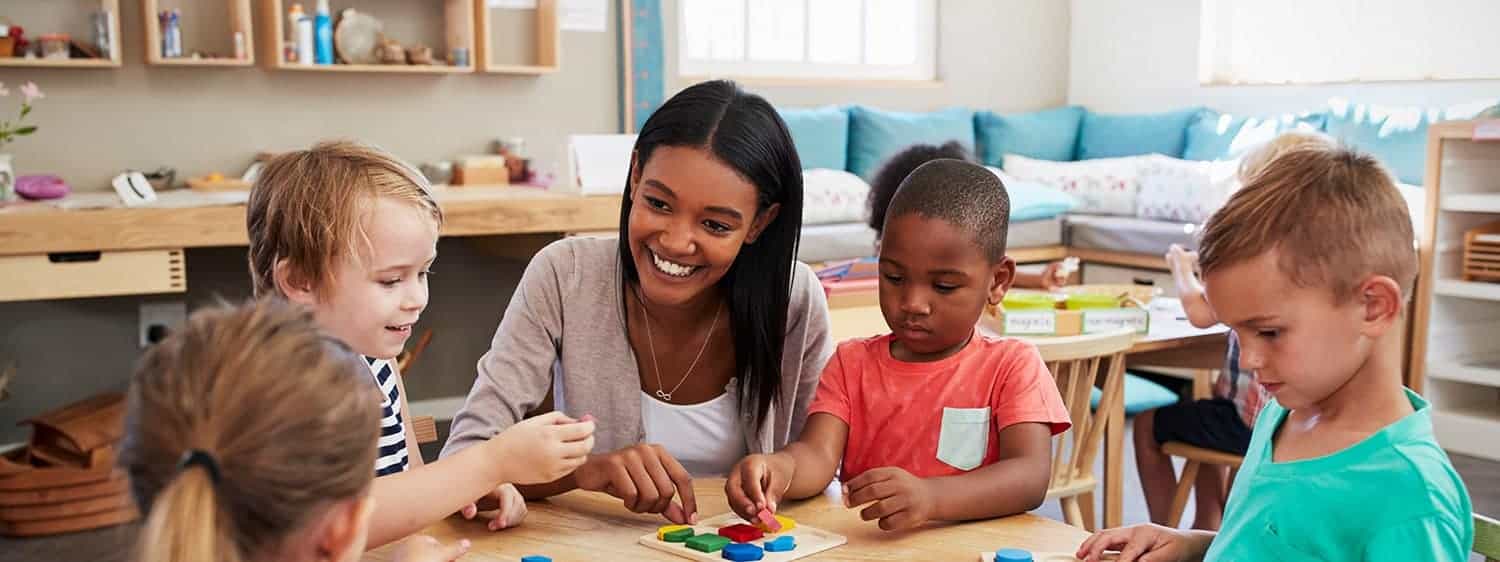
{"x":664,"y":395}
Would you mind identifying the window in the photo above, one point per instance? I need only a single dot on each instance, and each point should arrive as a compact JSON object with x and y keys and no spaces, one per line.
{"x":1297,"y":41}
{"x":838,"y":39}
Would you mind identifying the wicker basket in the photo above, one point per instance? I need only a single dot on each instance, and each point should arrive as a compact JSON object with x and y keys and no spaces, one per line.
{"x":1482,"y":253}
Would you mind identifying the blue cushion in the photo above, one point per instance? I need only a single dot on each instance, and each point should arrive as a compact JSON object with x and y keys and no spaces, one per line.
{"x":1104,"y":135}
{"x":1050,"y":134}
{"x":1395,"y":135}
{"x":820,"y":134}
{"x":1031,"y":201}
{"x":1220,"y":136}
{"x":1141,"y":395}
{"x":875,"y":135}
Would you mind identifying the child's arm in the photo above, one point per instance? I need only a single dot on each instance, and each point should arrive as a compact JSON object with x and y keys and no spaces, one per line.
{"x":1133,"y":543}
{"x":1053,"y":276}
{"x":1014,"y":484}
{"x":802,"y":469}
{"x":536,"y":450}
{"x":1184,"y":265}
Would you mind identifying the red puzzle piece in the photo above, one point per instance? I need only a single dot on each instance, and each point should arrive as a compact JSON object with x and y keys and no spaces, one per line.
{"x":740,"y":533}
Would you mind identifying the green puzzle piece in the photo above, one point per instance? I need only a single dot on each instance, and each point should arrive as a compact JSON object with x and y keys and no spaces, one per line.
{"x":707,"y":542}
{"x":680,"y":535}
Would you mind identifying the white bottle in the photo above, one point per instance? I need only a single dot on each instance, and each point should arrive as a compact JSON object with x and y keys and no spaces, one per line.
{"x":302,"y":33}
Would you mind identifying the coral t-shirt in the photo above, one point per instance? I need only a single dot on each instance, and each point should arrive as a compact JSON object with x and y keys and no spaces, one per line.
{"x":938,"y":418}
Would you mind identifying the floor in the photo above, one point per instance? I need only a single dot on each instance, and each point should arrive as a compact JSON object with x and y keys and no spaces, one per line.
{"x":109,"y":545}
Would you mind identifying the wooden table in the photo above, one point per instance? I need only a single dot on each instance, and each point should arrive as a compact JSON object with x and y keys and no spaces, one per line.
{"x":586,"y":526}
{"x":1171,"y":342}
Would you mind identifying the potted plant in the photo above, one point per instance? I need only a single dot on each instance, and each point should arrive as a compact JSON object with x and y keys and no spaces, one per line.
{"x":10,"y":131}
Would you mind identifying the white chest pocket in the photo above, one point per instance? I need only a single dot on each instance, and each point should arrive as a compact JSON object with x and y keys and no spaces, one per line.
{"x":964,"y":438}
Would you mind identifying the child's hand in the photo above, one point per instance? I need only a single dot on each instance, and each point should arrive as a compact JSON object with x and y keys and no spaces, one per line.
{"x":422,"y":548}
{"x":758,"y":482}
{"x":545,"y":448}
{"x":1184,"y":266}
{"x":508,"y":500}
{"x":902,"y":501}
{"x":646,"y":477}
{"x":1147,"y":543}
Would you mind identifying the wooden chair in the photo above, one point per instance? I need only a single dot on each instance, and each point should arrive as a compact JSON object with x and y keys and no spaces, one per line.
{"x":1487,"y":538}
{"x":1196,"y":457}
{"x":1077,"y":363}
{"x":426,"y":429}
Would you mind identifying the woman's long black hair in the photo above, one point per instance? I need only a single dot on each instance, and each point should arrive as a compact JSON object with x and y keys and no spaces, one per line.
{"x":743,"y":131}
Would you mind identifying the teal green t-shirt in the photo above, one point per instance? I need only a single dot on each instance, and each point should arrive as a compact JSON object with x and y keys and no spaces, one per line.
{"x":1393,"y":496}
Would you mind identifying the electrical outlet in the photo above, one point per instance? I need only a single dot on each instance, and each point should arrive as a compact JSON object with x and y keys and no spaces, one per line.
{"x":158,"y":318}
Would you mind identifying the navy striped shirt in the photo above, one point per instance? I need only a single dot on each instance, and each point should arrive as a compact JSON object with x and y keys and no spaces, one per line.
{"x":392,"y":456}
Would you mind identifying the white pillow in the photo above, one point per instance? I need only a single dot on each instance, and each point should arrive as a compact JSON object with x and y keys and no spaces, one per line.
{"x":1184,"y":190}
{"x":1103,"y":186}
{"x":833,"y":196}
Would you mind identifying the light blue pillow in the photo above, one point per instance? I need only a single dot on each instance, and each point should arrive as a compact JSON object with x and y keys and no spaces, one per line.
{"x":1050,"y":134}
{"x":1395,"y":135}
{"x":1031,"y":200}
{"x":1140,"y":395}
{"x":1106,"y":135}
{"x":820,"y":134}
{"x":1221,"y":136}
{"x":875,"y":135}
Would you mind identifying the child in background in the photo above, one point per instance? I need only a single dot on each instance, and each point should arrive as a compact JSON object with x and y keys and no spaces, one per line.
{"x":254,"y":456}
{"x":889,"y":177}
{"x":1221,"y":423}
{"x":1311,"y":263}
{"x":933,"y":421}
{"x":351,"y":232}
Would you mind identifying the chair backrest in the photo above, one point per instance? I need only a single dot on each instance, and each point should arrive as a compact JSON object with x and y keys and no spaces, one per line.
{"x":1487,"y":538}
{"x":1077,"y":363}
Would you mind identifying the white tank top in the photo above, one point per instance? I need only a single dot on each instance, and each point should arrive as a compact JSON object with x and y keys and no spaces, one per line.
{"x":708,"y":438}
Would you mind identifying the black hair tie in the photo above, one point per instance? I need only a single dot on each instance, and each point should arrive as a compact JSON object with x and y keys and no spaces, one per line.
{"x":199,"y":457}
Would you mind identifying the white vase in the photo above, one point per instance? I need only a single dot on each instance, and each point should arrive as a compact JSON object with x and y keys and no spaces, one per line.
{"x":7,"y":179}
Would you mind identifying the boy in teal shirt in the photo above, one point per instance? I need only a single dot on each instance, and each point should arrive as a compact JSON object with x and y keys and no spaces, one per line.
{"x":1310,"y":264}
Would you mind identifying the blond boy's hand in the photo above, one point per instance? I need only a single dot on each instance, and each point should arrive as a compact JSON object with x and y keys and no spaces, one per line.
{"x":422,"y":548}
{"x":1146,"y":543}
{"x":758,"y":482}
{"x":509,"y":503}
{"x":545,"y":448}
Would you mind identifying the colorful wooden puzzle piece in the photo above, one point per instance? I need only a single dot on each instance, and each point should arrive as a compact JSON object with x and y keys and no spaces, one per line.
{"x":784,"y":543}
{"x":707,"y":543}
{"x":535,"y":558}
{"x":661,"y":534}
{"x":741,"y":532}
{"x":786,"y":523}
{"x":740,"y":552}
{"x":680,"y":535}
{"x":767,"y":522}
{"x":1012,"y":555}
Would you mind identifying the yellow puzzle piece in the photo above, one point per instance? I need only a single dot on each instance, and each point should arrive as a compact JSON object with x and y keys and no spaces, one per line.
{"x":787,"y":524}
{"x":662,"y":532}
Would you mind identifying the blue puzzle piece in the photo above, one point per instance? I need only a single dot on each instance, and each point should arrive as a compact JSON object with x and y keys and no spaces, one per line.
{"x":784,"y":543}
{"x":742,"y":552}
{"x":1012,"y":555}
{"x":535,"y":558}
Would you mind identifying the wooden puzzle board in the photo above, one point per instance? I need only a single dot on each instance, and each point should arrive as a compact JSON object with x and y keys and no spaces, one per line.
{"x":1045,"y":557}
{"x":810,"y":541}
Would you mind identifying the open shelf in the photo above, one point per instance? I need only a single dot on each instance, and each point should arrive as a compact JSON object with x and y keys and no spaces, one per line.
{"x":457,"y":18}
{"x":199,"y":14}
{"x":1468,"y":430}
{"x":1472,"y":203}
{"x":1483,"y":371}
{"x":111,"y":7}
{"x":545,"y":44}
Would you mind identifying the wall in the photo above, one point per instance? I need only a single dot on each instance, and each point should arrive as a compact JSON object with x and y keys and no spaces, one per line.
{"x":95,"y":123}
{"x":995,"y":54}
{"x":1143,"y":56}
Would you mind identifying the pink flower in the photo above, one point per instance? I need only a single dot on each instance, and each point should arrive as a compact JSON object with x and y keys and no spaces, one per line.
{"x":31,"y":92}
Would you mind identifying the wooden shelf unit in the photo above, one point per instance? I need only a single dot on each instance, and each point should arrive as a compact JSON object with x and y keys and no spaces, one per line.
{"x":114,"y":60}
{"x":548,"y":41}
{"x":1455,"y":359}
{"x":458,"y":25}
{"x":240,"y":21}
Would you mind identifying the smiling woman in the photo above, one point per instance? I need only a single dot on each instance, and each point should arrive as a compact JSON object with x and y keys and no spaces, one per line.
{"x":695,"y":338}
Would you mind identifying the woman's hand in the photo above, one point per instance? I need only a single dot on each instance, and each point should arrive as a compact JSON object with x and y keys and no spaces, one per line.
{"x":646,"y":478}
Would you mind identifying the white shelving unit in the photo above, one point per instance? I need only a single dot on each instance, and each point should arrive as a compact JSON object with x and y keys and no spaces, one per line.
{"x":1456,"y":337}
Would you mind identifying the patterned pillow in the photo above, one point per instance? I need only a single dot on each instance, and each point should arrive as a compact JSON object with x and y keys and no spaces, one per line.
{"x":1184,"y":190}
{"x":1103,"y":186}
{"x":833,"y":196}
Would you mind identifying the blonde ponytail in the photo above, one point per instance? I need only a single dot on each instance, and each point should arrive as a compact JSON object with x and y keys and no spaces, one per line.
{"x":184,"y":523}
